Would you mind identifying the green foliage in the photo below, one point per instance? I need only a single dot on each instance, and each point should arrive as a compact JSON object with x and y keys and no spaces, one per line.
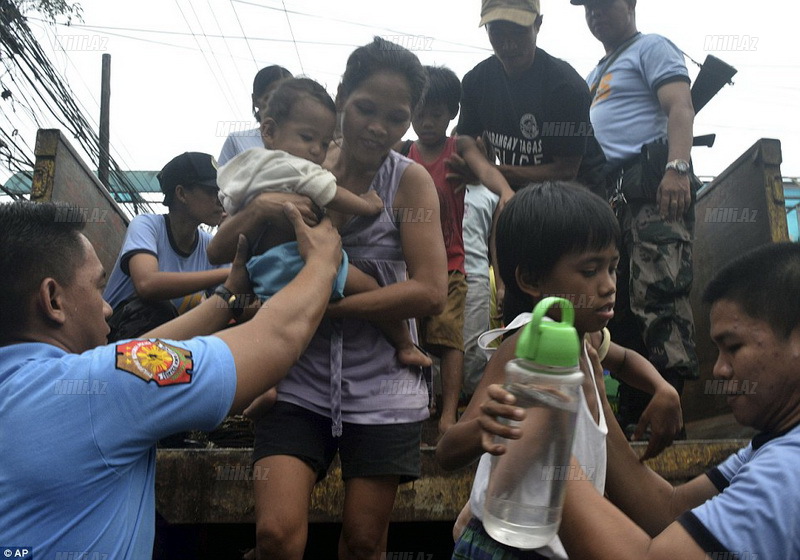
{"x":51,"y":10}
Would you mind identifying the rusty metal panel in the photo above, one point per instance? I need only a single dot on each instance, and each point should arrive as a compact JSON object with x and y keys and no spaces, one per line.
{"x":216,"y":485}
{"x":59,"y":175}
{"x":741,"y":209}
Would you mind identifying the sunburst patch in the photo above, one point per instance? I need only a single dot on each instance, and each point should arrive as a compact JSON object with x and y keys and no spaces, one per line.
{"x":155,"y":360}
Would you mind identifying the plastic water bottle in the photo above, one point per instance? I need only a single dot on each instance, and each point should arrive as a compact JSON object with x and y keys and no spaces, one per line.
{"x":525,"y":495}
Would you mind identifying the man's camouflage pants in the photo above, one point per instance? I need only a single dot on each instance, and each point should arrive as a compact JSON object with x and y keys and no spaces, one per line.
{"x":653,"y":315}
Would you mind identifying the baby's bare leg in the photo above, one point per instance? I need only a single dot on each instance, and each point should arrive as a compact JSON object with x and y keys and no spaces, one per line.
{"x":395,"y":331}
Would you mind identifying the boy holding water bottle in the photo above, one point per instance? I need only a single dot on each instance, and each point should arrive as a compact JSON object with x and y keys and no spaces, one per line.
{"x":570,"y":250}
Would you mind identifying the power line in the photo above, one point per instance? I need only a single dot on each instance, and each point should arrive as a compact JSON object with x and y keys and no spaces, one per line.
{"x":291,"y":32}
{"x":244,"y":34}
{"x":108,"y":29}
{"x":205,"y":58}
{"x":37,"y":74}
{"x":357,"y":24}
{"x":227,"y":46}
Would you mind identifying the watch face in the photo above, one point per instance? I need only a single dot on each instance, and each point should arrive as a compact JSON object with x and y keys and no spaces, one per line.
{"x":680,"y":166}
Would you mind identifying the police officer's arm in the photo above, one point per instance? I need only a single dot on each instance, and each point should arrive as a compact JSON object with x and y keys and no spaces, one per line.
{"x":265,"y":347}
{"x":641,"y":493}
{"x":676,"y":101}
{"x":592,"y":528}
{"x":214,"y":314}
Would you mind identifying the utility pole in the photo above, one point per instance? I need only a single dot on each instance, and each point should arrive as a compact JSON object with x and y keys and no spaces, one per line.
{"x":105,"y":96}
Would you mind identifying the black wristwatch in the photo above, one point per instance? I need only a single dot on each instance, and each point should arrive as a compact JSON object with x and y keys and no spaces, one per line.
{"x":233,"y":300}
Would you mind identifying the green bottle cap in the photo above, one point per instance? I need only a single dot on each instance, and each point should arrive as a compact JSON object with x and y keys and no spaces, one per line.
{"x":550,"y":343}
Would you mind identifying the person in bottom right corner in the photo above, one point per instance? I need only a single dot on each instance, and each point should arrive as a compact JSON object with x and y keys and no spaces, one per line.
{"x":571,"y":251}
{"x":747,"y":507}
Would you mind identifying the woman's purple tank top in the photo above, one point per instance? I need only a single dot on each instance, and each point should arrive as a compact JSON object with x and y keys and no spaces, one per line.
{"x":375,"y":387}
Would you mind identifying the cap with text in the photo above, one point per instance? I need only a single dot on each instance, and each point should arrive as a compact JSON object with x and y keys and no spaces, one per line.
{"x":521,"y":12}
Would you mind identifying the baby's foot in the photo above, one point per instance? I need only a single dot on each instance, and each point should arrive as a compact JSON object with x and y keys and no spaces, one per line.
{"x":261,"y":404}
{"x":412,"y":356}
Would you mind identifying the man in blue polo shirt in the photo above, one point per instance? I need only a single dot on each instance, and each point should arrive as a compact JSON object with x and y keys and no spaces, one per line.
{"x":747,"y":508}
{"x":80,"y":418}
{"x":641,"y":96}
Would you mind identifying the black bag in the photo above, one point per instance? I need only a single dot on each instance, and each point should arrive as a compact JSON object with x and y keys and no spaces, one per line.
{"x":134,"y":317}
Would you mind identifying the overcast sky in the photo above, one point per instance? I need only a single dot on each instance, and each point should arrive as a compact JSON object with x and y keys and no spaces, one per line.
{"x":177,"y":88}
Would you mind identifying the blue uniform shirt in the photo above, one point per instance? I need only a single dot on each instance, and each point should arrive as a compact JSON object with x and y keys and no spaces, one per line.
{"x":78,"y":433}
{"x":149,"y":233}
{"x":625,"y":112}
{"x":757,"y":513}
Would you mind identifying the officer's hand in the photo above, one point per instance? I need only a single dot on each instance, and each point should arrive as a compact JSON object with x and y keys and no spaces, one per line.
{"x":674,"y":196}
{"x":320,"y":242}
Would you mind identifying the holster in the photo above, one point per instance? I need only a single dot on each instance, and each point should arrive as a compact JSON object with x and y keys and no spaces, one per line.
{"x":638,"y":178}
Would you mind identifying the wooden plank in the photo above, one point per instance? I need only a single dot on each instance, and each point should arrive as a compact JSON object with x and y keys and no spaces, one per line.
{"x":741,"y":209}
{"x":216,"y":485}
{"x":59,"y":175}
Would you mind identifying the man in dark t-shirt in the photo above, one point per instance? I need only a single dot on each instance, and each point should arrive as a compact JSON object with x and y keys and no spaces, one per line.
{"x":532,"y":107}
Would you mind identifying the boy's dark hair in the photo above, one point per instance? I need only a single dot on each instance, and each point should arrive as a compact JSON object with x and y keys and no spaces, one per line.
{"x":765,"y":283}
{"x":292,"y":90}
{"x":267,"y":76}
{"x":444,"y":88}
{"x":380,"y":56}
{"x":38,"y":240}
{"x":542,"y":223}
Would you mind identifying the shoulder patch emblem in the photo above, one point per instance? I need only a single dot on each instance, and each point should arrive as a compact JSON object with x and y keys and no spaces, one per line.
{"x":155,"y":360}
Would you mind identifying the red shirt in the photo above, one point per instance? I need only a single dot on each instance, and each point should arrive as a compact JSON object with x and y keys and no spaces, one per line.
{"x":451,"y":203}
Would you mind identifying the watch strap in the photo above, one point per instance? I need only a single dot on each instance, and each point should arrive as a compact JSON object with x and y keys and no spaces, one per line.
{"x":232,"y":300}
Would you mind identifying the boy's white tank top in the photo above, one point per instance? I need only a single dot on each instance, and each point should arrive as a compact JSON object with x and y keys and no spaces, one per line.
{"x":588,"y":446}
